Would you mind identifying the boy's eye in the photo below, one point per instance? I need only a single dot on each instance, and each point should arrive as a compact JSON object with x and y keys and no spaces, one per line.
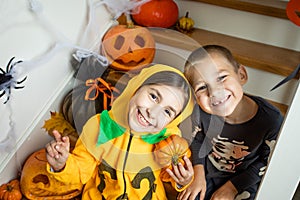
{"x":221,"y":78}
{"x":201,"y":88}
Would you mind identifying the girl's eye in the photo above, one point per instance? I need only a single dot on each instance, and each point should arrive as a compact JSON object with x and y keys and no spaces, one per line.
{"x":221,"y":78}
{"x":154,"y":97}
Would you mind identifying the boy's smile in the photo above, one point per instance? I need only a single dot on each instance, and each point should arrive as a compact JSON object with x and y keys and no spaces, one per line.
{"x":153,"y":107}
{"x":218,"y":87}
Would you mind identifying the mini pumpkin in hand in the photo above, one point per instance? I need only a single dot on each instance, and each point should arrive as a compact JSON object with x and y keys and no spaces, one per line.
{"x":11,"y":190}
{"x":169,"y":152}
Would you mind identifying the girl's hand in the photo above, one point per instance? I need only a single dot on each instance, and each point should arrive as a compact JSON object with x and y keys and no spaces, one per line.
{"x":198,"y":186}
{"x":182,"y":174}
{"x":57,"y":151}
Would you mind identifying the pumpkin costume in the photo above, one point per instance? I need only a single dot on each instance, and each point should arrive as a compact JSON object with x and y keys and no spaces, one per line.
{"x":113,"y":161}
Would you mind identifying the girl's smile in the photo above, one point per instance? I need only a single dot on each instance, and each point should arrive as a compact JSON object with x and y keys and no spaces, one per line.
{"x":153,"y":107}
{"x":142,"y":120}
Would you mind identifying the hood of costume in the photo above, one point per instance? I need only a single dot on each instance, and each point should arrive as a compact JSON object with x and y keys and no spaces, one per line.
{"x":124,"y":162}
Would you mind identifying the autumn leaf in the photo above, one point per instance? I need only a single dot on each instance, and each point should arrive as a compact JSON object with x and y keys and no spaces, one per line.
{"x":58,"y":122}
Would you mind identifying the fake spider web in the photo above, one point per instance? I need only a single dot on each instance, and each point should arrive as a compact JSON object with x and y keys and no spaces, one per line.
{"x":87,"y":46}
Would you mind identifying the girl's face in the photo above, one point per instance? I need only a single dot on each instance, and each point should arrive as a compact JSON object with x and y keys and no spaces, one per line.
{"x":153,"y":107}
{"x":217,"y":86}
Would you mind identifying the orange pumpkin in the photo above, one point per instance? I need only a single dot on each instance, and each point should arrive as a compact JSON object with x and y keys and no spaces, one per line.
{"x":11,"y":190}
{"x":171,"y":151}
{"x":157,"y":13}
{"x":128,"y":47}
{"x":37,"y":184}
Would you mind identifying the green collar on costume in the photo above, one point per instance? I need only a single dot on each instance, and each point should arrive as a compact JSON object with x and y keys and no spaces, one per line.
{"x":109,"y":129}
{"x":155,"y":138}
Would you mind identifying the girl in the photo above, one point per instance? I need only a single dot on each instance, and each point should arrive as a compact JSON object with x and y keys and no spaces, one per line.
{"x":114,"y":154}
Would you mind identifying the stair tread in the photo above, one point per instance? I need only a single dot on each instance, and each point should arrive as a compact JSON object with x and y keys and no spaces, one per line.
{"x":252,"y":54}
{"x":265,"y":57}
{"x":263,"y":7}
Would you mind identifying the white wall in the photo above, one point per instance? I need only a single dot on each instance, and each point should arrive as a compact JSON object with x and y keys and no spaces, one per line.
{"x":251,"y":26}
{"x":31,"y":38}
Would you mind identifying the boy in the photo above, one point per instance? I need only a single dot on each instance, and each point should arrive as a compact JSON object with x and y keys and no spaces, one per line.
{"x":233,"y":132}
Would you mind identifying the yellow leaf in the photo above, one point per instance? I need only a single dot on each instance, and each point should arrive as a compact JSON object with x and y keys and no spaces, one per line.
{"x":58,"y":122}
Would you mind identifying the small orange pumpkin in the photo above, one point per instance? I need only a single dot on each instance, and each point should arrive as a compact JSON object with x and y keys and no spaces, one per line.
{"x":11,"y":190}
{"x":169,"y":152}
{"x":128,"y":47}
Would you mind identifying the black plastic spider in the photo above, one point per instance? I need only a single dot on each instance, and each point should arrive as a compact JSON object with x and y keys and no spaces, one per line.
{"x":7,"y":79}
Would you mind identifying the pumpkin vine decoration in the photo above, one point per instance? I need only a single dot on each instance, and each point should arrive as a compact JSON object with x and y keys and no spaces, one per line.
{"x":86,"y":100}
{"x":100,"y":85}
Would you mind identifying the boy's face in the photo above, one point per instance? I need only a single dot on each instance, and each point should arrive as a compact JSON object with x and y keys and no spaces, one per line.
{"x":218,"y":87}
{"x":153,"y":107}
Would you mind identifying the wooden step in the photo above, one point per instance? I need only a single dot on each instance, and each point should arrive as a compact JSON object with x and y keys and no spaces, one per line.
{"x":264,"y":7}
{"x":256,"y":55}
{"x":261,"y":56}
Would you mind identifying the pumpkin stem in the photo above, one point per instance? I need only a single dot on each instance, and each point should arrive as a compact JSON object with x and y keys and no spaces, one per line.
{"x":9,"y":188}
{"x":129,"y":21}
{"x":175,"y":159}
{"x":187,"y":14}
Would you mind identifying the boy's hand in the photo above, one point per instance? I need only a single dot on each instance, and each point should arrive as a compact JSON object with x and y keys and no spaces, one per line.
{"x":197,"y":186}
{"x":182,"y":175}
{"x":57,"y":151}
{"x":225,"y":192}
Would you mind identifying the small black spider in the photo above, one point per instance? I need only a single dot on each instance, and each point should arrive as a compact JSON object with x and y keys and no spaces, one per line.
{"x":7,"y":79}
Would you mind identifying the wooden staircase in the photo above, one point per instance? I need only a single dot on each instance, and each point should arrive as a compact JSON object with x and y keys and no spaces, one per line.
{"x":276,"y":60}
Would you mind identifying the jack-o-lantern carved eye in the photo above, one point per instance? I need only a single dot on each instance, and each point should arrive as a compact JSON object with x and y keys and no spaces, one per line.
{"x":119,"y":42}
{"x":128,"y":48}
{"x":139,"y":41}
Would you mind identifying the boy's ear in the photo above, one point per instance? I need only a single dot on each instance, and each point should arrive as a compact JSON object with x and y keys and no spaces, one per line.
{"x":242,"y":73}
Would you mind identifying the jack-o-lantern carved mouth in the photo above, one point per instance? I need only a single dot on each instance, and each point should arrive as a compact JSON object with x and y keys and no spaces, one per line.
{"x":131,"y":63}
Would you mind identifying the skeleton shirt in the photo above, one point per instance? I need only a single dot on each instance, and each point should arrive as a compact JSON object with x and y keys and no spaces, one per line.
{"x":239,"y":152}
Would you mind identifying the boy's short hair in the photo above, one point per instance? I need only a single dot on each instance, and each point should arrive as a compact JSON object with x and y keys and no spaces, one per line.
{"x":205,"y":51}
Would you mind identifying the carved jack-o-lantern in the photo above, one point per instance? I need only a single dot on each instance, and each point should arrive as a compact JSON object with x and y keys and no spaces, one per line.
{"x":37,"y":183}
{"x":128,"y":47}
